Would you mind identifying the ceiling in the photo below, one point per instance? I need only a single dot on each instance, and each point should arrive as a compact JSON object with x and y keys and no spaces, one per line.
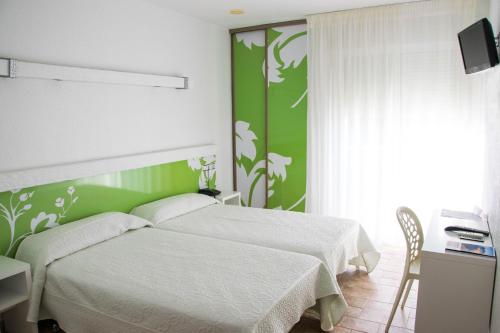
{"x":262,"y":11}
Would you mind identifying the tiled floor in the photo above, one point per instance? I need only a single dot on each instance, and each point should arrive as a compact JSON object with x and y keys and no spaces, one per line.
{"x":370,"y":298}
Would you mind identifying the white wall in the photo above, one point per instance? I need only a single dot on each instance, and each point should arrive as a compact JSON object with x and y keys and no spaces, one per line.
{"x":48,"y":122}
{"x":492,"y":185}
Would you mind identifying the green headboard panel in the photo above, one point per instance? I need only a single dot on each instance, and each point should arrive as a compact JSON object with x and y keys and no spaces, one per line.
{"x":30,"y":210}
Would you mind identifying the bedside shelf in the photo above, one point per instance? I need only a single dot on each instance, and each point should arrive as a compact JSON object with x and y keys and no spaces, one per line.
{"x":9,"y":299}
{"x":15,"y":285}
{"x":229,"y":198}
{"x":9,"y":267}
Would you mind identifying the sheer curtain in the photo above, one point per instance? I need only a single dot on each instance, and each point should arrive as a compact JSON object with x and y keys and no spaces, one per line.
{"x":392,"y":118}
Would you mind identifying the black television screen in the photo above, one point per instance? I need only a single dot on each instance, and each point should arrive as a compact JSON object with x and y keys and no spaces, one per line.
{"x":479,"y":50}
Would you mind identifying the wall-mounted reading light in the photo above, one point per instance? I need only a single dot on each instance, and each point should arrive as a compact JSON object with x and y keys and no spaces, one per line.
{"x":11,"y":68}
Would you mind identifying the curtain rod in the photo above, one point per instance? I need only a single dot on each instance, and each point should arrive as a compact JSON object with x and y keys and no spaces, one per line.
{"x":304,"y":21}
{"x":370,"y":7}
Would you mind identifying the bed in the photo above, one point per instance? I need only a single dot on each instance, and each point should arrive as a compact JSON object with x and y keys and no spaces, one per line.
{"x":113,"y":273}
{"x":336,"y":242}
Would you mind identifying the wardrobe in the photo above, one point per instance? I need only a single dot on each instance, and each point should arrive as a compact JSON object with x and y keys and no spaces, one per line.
{"x":269,"y":95}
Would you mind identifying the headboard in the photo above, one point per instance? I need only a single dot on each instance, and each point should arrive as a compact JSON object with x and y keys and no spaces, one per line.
{"x":29,"y":210}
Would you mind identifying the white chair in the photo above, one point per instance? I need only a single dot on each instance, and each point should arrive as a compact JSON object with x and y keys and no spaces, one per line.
{"x":414,"y":240}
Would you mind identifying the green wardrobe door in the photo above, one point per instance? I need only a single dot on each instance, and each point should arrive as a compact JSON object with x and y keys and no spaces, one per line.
{"x":287,"y":117}
{"x":249,"y":116}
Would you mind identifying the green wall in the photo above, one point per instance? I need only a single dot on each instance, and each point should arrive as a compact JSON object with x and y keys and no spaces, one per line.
{"x":30,"y":210}
{"x":285,"y":93}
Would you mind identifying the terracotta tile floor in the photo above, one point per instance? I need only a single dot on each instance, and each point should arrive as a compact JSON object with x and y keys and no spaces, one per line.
{"x":370,"y":298}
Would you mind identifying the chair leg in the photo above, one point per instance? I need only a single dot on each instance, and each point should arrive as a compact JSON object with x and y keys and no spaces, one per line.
{"x":396,"y":302}
{"x":405,"y":297}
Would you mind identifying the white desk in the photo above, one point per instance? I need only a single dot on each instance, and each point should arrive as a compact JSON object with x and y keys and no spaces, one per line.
{"x":455,"y":289}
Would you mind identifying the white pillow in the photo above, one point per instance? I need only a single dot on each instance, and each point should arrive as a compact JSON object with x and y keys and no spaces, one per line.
{"x":168,"y":208}
{"x":45,"y":247}
{"x":74,"y":236}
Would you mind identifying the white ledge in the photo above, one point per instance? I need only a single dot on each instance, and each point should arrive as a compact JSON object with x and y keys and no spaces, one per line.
{"x":56,"y":173}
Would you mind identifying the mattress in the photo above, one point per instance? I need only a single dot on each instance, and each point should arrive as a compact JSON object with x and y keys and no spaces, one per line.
{"x":336,"y":242}
{"x":150,"y":280}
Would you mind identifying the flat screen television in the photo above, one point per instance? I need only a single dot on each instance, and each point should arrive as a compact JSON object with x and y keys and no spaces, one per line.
{"x":479,"y":50}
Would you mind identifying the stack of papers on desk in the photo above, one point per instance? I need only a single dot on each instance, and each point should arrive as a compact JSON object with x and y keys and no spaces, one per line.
{"x":455,"y":214}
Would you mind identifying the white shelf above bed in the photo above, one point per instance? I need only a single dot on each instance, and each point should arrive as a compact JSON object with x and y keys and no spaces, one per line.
{"x":56,"y":173}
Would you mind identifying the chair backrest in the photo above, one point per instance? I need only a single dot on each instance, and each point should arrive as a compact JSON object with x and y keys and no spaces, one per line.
{"x":412,"y":230}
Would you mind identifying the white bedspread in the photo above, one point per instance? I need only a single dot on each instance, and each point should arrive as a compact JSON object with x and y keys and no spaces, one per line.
{"x":336,"y":242}
{"x":152,"y":280}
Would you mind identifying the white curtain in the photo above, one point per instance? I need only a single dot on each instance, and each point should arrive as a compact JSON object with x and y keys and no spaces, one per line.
{"x":392,"y":118}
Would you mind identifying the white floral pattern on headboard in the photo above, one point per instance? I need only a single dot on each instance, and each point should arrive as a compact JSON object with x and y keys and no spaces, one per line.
{"x":198,"y":164}
{"x":20,"y":203}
